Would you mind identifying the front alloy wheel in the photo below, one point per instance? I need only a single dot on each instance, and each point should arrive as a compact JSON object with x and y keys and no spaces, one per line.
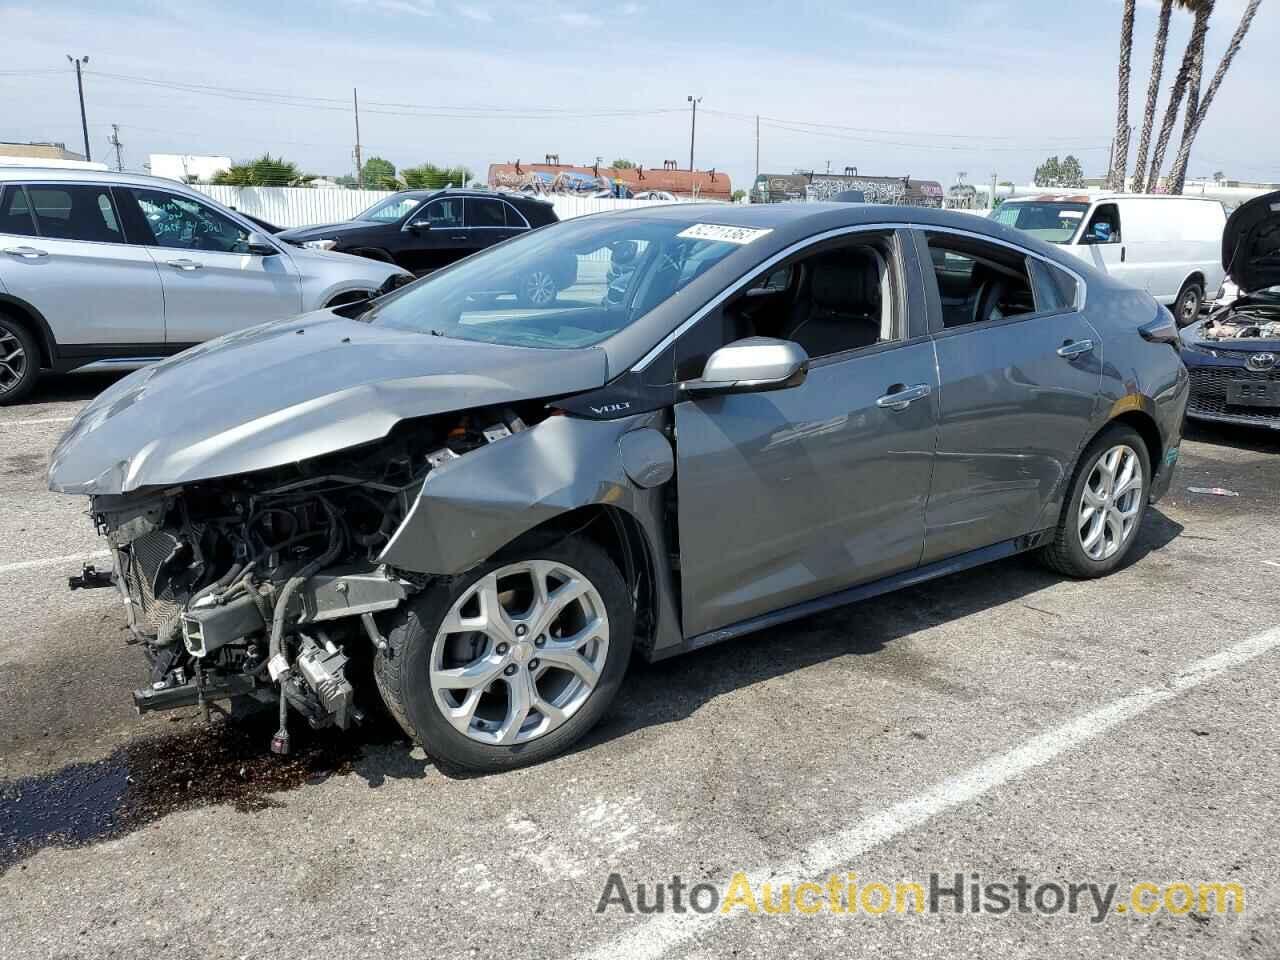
{"x":538,"y":289}
{"x":520,"y":652}
{"x":513,"y":661}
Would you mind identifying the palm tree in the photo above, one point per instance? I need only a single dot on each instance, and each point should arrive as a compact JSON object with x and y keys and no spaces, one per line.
{"x":1179,"y":172}
{"x":1153,"y":94}
{"x":1120,"y":146}
{"x":1199,"y":29}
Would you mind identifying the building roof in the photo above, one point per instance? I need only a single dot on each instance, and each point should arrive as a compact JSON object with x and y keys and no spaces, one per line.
{"x":710,"y":184}
{"x":39,"y":151}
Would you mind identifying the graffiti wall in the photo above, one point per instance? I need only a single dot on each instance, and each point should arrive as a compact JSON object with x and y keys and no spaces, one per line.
{"x":777,"y":188}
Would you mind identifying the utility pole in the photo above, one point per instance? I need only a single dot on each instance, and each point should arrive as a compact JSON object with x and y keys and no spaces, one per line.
{"x":355,"y":100}
{"x":757,"y":146}
{"x":693,"y":127}
{"x":84,"y":123}
{"x":115,"y":142}
{"x":992,"y":204}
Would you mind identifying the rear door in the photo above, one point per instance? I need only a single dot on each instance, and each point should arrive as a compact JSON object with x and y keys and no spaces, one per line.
{"x":64,"y":250}
{"x":1021,"y":374}
{"x":212,"y":283}
{"x":795,"y":494}
{"x":490,"y":221}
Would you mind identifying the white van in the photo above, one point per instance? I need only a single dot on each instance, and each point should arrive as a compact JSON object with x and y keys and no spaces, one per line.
{"x":1170,"y":246}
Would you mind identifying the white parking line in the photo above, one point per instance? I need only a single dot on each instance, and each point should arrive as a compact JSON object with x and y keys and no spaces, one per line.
{"x":52,"y":561}
{"x":660,"y":935}
{"x":28,"y":423}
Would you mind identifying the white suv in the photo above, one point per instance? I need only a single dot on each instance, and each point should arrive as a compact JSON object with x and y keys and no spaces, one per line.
{"x":103,"y":270}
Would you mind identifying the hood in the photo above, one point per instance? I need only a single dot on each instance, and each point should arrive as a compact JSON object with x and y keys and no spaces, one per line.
{"x":289,"y":391}
{"x":326,"y":231}
{"x":1251,"y":243}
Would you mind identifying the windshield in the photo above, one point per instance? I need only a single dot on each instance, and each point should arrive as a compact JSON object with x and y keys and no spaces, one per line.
{"x":391,"y":209}
{"x":1052,"y":222}
{"x":572,"y":284}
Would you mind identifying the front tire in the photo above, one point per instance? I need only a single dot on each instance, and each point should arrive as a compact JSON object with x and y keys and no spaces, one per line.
{"x":1187,"y":307}
{"x":1105,"y":506}
{"x":19,"y":361}
{"x":510,"y":663}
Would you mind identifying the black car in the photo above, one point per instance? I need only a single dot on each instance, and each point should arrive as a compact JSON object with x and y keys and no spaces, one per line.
{"x":423,"y":230}
{"x":1233,"y":356}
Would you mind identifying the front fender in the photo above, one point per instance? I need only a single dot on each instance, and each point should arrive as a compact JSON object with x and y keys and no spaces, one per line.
{"x":471,"y":507}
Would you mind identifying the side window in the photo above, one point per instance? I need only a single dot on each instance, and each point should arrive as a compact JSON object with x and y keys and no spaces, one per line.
{"x":484,"y":212}
{"x":186,"y":224}
{"x":843,"y":298}
{"x":75,"y":213}
{"x":1056,"y":289}
{"x":979,"y":282}
{"x":515,"y":218}
{"x":444,"y":213}
{"x":15,"y":214}
{"x":1104,"y":225}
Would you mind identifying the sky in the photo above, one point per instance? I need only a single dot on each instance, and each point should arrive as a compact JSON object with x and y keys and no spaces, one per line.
{"x":926,"y":88}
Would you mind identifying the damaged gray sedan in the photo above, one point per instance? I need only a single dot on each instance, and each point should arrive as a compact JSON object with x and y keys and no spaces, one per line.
{"x":733,"y":417}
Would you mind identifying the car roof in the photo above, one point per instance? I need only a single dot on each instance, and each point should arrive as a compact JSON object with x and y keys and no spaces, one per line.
{"x":9,"y":174}
{"x":1049,"y":196}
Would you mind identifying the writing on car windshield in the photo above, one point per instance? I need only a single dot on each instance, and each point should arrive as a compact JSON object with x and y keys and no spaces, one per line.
{"x":570,"y":285}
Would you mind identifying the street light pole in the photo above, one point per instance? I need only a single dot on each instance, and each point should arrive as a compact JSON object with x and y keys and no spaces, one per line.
{"x":84,"y":123}
{"x":693,"y":127}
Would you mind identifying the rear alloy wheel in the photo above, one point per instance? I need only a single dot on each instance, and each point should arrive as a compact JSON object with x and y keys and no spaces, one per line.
{"x":511,"y":663}
{"x":538,"y":289}
{"x":1187,"y":307}
{"x":19,"y":361}
{"x":1107,"y":501}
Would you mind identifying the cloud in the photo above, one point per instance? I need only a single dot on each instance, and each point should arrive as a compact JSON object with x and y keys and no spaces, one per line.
{"x":573,"y":18}
{"x":478,"y":14}
{"x":416,"y":8}
{"x":630,"y":9}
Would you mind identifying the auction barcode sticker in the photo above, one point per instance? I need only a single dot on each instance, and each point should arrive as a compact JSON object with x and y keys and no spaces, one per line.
{"x":716,"y":231}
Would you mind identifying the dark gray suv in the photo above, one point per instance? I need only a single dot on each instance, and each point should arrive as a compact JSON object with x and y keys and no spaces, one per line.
{"x":736,"y":416}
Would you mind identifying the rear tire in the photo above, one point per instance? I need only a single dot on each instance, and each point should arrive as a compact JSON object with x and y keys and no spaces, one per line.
{"x":19,"y":361}
{"x":1102,"y":513}
{"x":456,"y":673}
{"x":1187,"y":307}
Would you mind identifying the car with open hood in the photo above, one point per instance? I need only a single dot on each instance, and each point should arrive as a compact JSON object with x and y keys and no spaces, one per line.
{"x":102,"y":270}
{"x":739,"y":416}
{"x":1233,"y":355}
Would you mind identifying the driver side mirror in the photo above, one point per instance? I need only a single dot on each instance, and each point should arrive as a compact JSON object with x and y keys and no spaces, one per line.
{"x":421,"y":224}
{"x":259,"y":244}
{"x":753,"y":365}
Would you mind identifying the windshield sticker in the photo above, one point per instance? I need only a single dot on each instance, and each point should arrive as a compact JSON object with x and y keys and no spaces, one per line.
{"x":1071,"y":214}
{"x":723,"y":234}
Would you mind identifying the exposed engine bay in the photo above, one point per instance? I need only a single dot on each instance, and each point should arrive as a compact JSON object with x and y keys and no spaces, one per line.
{"x":263,"y":585}
{"x":1246,"y":318}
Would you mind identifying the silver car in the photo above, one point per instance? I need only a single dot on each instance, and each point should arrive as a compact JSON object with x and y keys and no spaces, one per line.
{"x":113,"y":271}
{"x":736,"y":416}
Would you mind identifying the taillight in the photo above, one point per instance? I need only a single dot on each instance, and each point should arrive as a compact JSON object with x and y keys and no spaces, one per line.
{"x":1163,"y":329}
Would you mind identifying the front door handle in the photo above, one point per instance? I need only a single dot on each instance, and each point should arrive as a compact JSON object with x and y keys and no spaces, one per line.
{"x":461,"y":237}
{"x":1073,"y":348}
{"x":1122,"y":254}
{"x":903,"y":397}
{"x":184,"y":264}
{"x":26,"y":253}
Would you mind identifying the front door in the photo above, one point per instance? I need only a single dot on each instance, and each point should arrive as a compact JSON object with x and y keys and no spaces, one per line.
{"x":1103,"y":244}
{"x":212,"y":284}
{"x":63,"y":249}
{"x":791,"y":495}
{"x":435,"y":235}
{"x":1021,"y":373}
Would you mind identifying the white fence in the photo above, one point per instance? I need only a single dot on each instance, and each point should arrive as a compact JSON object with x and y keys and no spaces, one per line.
{"x":299,"y":206}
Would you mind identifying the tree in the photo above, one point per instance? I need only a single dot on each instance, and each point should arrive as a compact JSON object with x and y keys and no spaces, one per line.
{"x":379,"y":174}
{"x":430,"y":177}
{"x":1179,"y":172}
{"x":1120,"y":147}
{"x":738,"y":196}
{"x":623,"y":164}
{"x":1060,"y":173}
{"x":266,"y":171}
{"x":1199,"y":29}
{"x":1153,"y":93}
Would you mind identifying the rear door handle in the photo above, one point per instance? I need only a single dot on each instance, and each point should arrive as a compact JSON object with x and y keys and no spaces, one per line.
{"x":26,"y":253}
{"x":904,"y":397}
{"x":1073,"y":348}
{"x":184,"y":264}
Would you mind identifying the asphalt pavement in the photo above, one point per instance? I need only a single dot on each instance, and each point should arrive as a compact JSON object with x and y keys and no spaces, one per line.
{"x":1002,"y":723}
